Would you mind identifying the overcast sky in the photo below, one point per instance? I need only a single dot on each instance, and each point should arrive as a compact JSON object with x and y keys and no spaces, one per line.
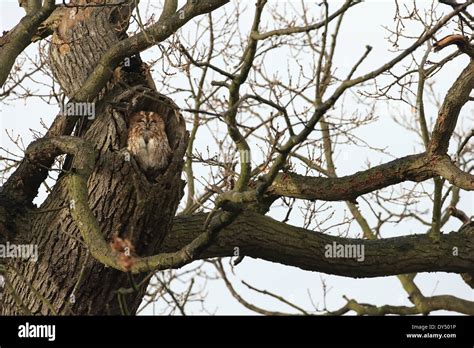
{"x":362,"y":26}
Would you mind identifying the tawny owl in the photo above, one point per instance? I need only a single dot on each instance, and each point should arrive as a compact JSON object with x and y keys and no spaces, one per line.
{"x":148,"y":142}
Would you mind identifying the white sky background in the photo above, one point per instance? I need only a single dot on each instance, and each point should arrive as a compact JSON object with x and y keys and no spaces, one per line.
{"x":362,"y":26}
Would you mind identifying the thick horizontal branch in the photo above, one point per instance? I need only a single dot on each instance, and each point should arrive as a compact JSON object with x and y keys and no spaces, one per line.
{"x":262,"y":237}
{"x":416,"y":168}
{"x":348,"y":188}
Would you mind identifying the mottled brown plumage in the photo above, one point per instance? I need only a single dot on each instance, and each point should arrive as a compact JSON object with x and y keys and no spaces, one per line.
{"x":148,"y":142}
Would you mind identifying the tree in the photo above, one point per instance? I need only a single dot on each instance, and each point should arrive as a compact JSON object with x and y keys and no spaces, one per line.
{"x":105,"y":228}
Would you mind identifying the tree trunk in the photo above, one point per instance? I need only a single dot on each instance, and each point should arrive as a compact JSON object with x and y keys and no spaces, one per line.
{"x":65,"y":279}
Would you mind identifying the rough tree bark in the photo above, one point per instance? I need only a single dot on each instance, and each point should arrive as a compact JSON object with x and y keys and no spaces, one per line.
{"x":66,"y":279}
{"x":124,"y":203}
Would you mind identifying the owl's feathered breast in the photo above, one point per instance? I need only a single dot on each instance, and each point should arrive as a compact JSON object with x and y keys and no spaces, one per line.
{"x":148,"y":142}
